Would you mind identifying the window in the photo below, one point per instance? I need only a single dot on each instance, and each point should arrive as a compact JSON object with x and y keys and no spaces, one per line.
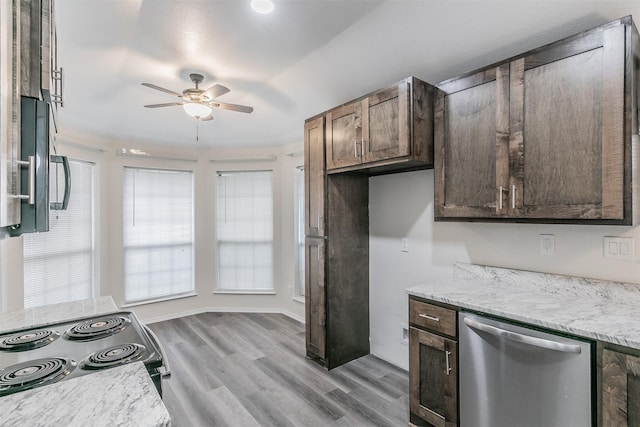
{"x":245,"y":231}
{"x":299,"y":231}
{"x":158,"y":233}
{"x":59,"y":264}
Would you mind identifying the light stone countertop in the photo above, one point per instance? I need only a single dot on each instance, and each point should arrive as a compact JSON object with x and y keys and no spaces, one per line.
{"x":600,"y":310}
{"x":53,"y":313}
{"x":122,"y":396}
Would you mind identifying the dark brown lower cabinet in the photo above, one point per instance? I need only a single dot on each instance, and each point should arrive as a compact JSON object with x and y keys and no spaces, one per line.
{"x":620,"y":389}
{"x":433,"y":389}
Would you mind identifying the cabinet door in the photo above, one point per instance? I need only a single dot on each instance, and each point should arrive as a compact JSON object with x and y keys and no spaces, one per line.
{"x":433,"y":393}
{"x":385,"y":124}
{"x":315,"y":297}
{"x":344,"y":136}
{"x":620,"y":389}
{"x":314,"y":177}
{"x":471,"y":138}
{"x":567,"y":129}
{"x":9,"y":112}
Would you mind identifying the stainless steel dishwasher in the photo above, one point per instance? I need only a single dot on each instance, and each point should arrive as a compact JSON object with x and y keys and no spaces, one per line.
{"x":512,"y":376}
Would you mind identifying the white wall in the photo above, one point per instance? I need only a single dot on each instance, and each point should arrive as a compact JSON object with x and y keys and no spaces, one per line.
{"x":402,"y":206}
{"x":109,"y":218}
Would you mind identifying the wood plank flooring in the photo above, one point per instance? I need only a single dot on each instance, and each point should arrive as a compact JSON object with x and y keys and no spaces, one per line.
{"x":249,"y":369}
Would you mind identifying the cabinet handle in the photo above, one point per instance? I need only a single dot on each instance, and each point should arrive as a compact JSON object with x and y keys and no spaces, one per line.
{"x":426,"y":316}
{"x":58,"y":76}
{"x":362,"y":147}
{"x":500,"y":201}
{"x":355,"y":148}
{"x":513,"y":197}
{"x":448,"y":365}
{"x":30,"y":197}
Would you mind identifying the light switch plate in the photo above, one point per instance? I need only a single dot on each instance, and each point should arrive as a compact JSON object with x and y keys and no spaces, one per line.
{"x":620,"y":248}
{"x":404,"y":245}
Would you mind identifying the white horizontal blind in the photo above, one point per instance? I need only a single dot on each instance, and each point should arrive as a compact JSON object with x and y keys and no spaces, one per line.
{"x":245,"y":231}
{"x":59,"y":264}
{"x":158,"y":233}
{"x":298,"y":200}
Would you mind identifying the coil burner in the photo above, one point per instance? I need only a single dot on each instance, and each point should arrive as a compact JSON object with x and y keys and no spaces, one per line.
{"x":34,"y":373}
{"x":24,"y":341}
{"x":113,"y":356}
{"x":97,"y":328}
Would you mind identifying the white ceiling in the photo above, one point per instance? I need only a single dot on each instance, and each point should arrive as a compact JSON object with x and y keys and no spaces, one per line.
{"x":305,"y":57}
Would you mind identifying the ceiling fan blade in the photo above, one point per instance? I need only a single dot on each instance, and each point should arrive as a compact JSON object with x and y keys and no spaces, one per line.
{"x":232,"y":107}
{"x":206,"y":118}
{"x":166,"y":104}
{"x":161,"y":89}
{"x":216,"y":90}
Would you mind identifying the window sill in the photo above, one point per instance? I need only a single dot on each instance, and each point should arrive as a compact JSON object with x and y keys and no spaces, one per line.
{"x":243,"y":292}
{"x":161,"y":299}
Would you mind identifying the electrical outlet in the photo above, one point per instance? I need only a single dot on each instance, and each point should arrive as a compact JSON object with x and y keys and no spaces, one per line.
{"x":547,"y":244}
{"x":405,"y":334}
{"x":621,"y":248}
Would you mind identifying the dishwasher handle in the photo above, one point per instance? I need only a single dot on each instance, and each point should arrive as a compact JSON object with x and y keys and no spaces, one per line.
{"x":524,"y":339}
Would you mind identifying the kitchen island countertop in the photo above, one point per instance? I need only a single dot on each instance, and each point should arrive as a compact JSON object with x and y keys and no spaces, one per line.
{"x":594,"y":309}
{"x":47,"y":314}
{"x":122,"y":396}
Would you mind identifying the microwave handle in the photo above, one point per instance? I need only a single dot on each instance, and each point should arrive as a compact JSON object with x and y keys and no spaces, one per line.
{"x":30,"y":197}
{"x":57,"y":206}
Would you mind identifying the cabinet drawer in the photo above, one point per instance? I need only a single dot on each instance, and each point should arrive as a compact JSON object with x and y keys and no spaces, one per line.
{"x":432,"y":317}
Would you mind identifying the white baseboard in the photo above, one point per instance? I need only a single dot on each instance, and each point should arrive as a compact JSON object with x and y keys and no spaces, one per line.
{"x":224,"y":310}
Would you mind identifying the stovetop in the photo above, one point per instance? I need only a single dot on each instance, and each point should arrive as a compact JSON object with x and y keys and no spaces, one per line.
{"x":40,"y":356}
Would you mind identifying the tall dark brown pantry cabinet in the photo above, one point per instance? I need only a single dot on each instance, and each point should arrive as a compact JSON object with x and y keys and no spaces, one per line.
{"x":545,"y":136}
{"x":336,"y":258}
{"x":386,"y":131}
{"x":315,"y":184}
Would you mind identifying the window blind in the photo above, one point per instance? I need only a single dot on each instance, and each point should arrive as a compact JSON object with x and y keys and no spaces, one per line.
{"x":59,"y":264}
{"x":245,"y":231}
{"x":298,"y":200}
{"x":158,"y":233}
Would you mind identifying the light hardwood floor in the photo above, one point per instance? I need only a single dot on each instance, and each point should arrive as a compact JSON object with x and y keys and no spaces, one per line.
{"x":248,"y":369}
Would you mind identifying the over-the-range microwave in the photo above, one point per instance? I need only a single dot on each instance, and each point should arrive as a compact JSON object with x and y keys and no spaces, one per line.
{"x":36,"y":162}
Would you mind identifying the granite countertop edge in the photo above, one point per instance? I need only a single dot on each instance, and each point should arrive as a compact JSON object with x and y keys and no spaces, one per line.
{"x":121,"y":396}
{"x":550,"y":306}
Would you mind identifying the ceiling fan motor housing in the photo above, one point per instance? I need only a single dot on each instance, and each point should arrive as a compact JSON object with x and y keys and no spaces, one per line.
{"x":196,"y":78}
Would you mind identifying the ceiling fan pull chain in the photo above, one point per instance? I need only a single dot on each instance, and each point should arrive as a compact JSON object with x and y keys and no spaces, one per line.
{"x":197,"y":133}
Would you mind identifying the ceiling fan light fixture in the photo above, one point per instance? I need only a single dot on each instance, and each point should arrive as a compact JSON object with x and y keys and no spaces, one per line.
{"x":262,"y":6}
{"x":196,"y":110}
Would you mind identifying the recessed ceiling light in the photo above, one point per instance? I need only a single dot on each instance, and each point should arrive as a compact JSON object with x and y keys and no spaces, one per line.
{"x":262,"y":6}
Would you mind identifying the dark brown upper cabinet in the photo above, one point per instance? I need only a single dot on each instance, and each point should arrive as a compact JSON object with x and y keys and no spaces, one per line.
{"x":385,"y":131}
{"x":40,"y":75}
{"x":542,"y":137}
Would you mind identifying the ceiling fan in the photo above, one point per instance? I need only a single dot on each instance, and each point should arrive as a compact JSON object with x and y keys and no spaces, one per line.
{"x":199,"y":103}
